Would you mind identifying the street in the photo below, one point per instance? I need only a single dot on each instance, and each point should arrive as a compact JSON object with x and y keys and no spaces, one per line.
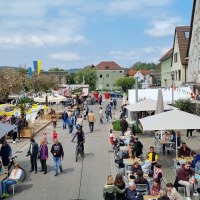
{"x":80,"y":180}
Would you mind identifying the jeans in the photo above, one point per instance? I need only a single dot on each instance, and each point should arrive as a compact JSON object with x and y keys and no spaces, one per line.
{"x":6,"y":183}
{"x":70,"y":129}
{"x":64,"y":124}
{"x":18,"y":132}
{"x":57,"y":163}
{"x":33,"y":160}
{"x":91,"y":126}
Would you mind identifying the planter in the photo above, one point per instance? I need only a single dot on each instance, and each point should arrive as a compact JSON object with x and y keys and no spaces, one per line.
{"x":46,"y":117}
{"x":27,"y":133}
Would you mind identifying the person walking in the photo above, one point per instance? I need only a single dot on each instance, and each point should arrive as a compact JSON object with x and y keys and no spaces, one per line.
{"x":115,"y":103}
{"x":6,"y":153}
{"x":19,"y":126}
{"x":91,"y":120}
{"x":64,"y":118}
{"x":124,"y":125}
{"x":58,"y":153}
{"x":43,"y":155}
{"x":70,"y":123}
{"x":79,"y":121}
{"x":33,"y":153}
{"x":101,"y":115}
{"x":54,"y":119}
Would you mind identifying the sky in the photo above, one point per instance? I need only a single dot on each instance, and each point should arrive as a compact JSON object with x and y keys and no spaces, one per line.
{"x":75,"y":33}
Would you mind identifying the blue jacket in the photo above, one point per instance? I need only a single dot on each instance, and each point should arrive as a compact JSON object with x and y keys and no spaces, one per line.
{"x":131,"y":195}
{"x":68,"y":120}
{"x":196,"y":158}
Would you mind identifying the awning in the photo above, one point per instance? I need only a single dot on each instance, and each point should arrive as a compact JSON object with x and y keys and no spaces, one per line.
{"x":5,"y":128}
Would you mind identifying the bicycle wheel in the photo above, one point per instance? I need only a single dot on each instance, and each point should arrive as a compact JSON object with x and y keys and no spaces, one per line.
{"x":77,"y":152}
{"x":23,"y":176}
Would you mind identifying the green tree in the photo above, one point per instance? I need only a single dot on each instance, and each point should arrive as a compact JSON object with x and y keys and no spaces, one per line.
{"x":184,"y":105}
{"x":126,"y":83}
{"x":71,"y":78}
{"x":144,"y":65}
{"x":56,"y":69}
{"x":88,"y":76}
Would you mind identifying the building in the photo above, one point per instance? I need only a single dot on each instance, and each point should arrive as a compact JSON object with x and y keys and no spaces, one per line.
{"x":165,"y":65}
{"x":193,"y":52}
{"x":108,"y":72}
{"x":155,"y":75}
{"x":179,"y":61}
{"x":60,"y":76}
{"x":143,"y":77}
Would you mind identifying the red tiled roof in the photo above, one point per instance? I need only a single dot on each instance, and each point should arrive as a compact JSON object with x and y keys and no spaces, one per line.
{"x":182,"y":42}
{"x":132,"y":72}
{"x":166,"y":55}
{"x":108,"y":65}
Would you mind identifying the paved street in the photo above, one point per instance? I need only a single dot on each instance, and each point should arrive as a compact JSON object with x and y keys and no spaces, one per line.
{"x":82,"y":180}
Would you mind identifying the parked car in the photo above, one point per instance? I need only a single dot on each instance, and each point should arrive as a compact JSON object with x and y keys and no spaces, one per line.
{"x":116,"y":95}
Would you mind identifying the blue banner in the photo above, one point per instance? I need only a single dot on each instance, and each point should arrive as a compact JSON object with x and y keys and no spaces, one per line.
{"x":35,"y":66}
{"x":30,"y":73}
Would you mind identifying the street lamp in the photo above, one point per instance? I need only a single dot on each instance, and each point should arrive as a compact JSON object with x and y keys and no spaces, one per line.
{"x":172,"y":75}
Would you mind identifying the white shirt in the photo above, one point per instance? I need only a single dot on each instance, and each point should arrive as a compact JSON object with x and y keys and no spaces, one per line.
{"x":16,"y":176}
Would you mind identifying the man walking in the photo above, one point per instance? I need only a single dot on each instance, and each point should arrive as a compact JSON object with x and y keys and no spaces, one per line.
{"x":64,"y":118}
{"x":33,"y":152}
{"x":91,"y":120}
{"x":58,"y":153}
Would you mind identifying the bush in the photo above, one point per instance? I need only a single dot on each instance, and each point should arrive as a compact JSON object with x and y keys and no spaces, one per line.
{"x":116,"y":125}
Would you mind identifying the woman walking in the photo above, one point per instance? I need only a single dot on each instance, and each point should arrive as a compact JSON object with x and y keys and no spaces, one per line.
{"x":43,"y":155}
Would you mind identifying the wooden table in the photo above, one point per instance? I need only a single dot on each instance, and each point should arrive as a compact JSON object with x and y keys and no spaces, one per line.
{"x":164,"y":142}
{"x":148,"y":197}
{"x":123,"y":137}
{"x":186,"y":159}
{"x":129,"y":162}
{"x":132,"y":180}
{"x":123,"y":148}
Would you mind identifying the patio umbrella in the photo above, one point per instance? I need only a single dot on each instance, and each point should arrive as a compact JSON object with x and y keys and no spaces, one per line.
{"x":160,"y":104}
{"x":124,"y":99}
{"x":5,"y":128}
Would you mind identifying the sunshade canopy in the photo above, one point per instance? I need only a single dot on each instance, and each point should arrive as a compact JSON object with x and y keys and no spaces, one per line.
{"x":146,"y":105}
{"x":5,"y":128}
{"x":171,"y":120}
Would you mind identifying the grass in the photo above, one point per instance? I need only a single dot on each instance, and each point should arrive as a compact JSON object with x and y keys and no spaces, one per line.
{"x":116,"y":125}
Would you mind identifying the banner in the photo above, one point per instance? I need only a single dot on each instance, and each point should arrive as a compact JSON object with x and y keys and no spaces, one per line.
{"x":30,"y":73}
{"x":39,"y":63}
{"x":35,"y":65}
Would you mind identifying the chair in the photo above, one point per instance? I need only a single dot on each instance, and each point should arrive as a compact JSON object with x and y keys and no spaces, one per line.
{"x":169,"y":147}
{"x":142,"y":188}
{"x":19,"y":182}
{"x":177,"y":185}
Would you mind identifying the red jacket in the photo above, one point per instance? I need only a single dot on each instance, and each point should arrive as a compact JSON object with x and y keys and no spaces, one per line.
{"x":185,"y":174}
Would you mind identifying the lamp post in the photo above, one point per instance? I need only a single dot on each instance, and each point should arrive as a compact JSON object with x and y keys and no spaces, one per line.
{"x":136,"y":98}
{"x":172,"y":75}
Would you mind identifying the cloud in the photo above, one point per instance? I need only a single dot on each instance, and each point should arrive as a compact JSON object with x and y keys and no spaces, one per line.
{"x":123,"y":55}
{"x":65,"y":56}
{"x":164,"y":27}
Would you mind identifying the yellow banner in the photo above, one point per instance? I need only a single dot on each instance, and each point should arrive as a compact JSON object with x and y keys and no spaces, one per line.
{"x":39,"y":63}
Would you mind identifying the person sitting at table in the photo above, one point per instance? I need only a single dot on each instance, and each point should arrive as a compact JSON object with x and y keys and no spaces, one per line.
{"x":2,"y":169}
{"x":153,"y":157}
{"x":141,"y":180}
{"x":155,"y":188}
{"x":195,"y":160}
{"x":119,"y":182}
{"x":128,"y":132}
{"x":178,"y":135}
{"x":110,"y":190}
{"x":146,"y":165}
{"x":131,"y":193}
{"x":197,"y":167}
{"x":165,"y":139}
{"x":184,"y":151}
{"x":139,"y":147}
{"x":133,"y":147}
{"x":185,"y":178}
{"x":11,"y":180}
{"x":172,"y":192}
{"x":136,"y":168}
{"x":157,"y":172}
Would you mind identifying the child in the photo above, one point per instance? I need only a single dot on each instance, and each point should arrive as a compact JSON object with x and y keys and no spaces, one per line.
{"x":55,"y":135}
{"x":111,"y":137}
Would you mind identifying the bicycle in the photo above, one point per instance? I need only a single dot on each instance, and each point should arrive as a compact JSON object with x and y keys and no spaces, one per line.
{"x":79,"y":150}
{"x":11,"y":167}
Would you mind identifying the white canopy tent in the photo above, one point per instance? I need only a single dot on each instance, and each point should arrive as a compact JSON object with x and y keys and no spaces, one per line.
{"x":56,"y":99}
{"x":148,"y":105}
{"x":5,"y":128}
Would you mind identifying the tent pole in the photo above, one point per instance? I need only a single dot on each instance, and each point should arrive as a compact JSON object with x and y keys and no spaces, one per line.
{"x":176,"y":144}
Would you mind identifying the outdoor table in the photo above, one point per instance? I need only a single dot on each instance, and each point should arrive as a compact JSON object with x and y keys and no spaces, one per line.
{"x":184,"y":159}
{"x":123,"y":137}
{"x":129,"y":162}
{"x":123,"y":148}
{"x":150,"y":197}
{"x":132,"y":180}
{"x":164,"y":142}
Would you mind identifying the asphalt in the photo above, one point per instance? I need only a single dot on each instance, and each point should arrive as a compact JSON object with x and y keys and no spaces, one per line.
{"x":80,"y":180}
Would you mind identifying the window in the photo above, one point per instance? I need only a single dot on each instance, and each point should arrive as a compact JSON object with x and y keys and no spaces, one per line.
{"x":179,"y":75}
{"x":100,"y":76}
{"x":107,"y":85}
{"x":187,"y":34}
{"x":120,"y":71}
{"x":175,"y":57}
{"x":107,"y":75}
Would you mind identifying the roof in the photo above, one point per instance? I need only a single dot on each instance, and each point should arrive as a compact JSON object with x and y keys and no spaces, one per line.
{"x":132,"y":72}
{"x":182,"y":42}
{"x":108,"y":65}
{"x":166,"y":55}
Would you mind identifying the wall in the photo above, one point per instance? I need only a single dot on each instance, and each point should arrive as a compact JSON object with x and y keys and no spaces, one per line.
{"x":166,"y":72}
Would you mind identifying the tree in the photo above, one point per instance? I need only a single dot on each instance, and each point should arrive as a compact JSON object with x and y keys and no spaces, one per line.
{"x":71,"y":78}
{"x":126,"y":83}
{"x":11,"y":83}
{"x":88,"y":76}
{"x":184,"y":105}
{"x":56,"y":69}
{"x":144,"y":65}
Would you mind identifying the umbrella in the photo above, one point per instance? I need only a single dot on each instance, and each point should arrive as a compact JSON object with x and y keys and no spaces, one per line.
{"x":5,"y":128}
{"x":124,"y":99}
{"x":160,"y":104}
